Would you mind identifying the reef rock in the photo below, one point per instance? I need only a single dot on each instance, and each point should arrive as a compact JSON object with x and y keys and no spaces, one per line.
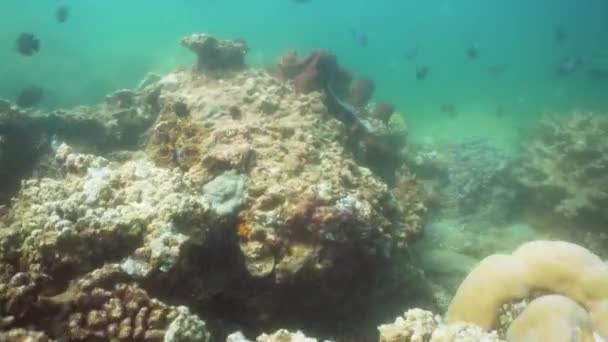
{"x":564,"y":168}
{"x":72,"y":225}
{"x":216,"y":55}
{"x":246,"y":197}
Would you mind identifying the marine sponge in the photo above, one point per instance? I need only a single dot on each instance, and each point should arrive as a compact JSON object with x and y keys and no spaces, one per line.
{"x":548,"y":266}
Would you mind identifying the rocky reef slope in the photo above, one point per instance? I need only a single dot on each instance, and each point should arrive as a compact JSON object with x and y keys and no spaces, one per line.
{"x":221,"y":190}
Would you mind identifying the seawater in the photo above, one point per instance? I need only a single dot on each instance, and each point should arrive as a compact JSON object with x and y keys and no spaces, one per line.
{"x":111,"y":44}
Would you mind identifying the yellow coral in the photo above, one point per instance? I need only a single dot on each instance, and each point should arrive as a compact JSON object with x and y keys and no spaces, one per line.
{"x":552,"y":318}
{"x":551,"y":266}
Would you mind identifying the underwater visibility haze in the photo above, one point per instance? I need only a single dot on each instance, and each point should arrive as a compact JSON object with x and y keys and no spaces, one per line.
{"x":303,"y":170}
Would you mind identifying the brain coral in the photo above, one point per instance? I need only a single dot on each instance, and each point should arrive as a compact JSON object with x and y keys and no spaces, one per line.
{"x":546,"y":266}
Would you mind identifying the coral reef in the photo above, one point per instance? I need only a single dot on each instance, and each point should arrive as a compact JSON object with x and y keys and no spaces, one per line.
{"x":552,"y":318}
{"x":314,"y":72}
{"x":175,"y":141}
{"x":543,"y":291}
{"x":473,"y":165}
{"x":383,"y":112}
{"x":22,"y":143}
{"x":246,"y":204}
{"x":369,"y":133}
{"x":552,"y":267}
{"x":467,"y":179}
{"x":564,"y":168}
{"x":27,"y":136}
{"x":417,"y":325}
{"x":92,"y":310}
{"x":75,"y":224}
{"x":215,"y":55}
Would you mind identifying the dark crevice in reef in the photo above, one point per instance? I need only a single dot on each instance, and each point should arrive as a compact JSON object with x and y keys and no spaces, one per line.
{"x":372,"y":289}
{"x":21,"y":145}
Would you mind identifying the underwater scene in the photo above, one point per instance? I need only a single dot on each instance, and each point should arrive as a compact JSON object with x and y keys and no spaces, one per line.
{"x":304,"y":170}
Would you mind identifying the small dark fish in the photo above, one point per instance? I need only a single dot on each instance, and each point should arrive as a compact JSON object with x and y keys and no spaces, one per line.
{"x":422,"y":73}
{"x":362,"y":39}
{"x":497,"y":70}
{"x":411,"y":53}
{"x":30,"y":96}
{"x":448,"y":109}
{"x":598,"y":74}
{"x":27,"y":44}
{"x":561,"y":35}
{"x":568,"y":66}
{"x":472,"y":52}
{"x":62,"y":14}
{"x":500,"y":112}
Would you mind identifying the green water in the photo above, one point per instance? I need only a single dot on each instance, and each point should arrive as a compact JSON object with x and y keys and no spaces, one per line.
{"x":112,"y":44}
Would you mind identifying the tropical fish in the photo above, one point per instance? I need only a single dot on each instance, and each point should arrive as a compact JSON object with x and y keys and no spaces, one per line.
{"x":27,"y":44}
{"x":598,"y":74}
{"x":561,"y":35}
{"x":62,"y":14}
{"x":500,"y":112}
{"x":360,"y":37}
{"x":422,"y":72}
{"x":472,"y":52}
{"x":497,"y":70}
{"x":448,"y":109}
{"x":568,"y":66}
{"x":412,"y":52}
